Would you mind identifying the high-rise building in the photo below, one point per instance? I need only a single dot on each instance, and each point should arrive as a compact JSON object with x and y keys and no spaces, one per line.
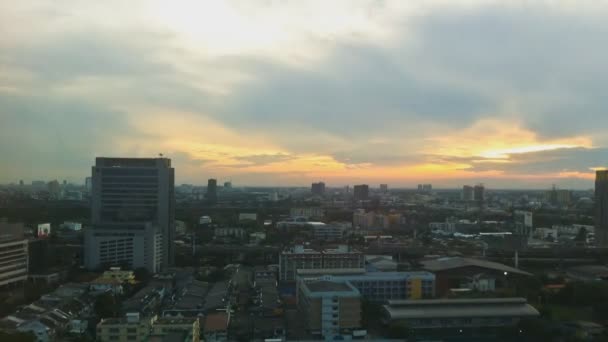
{"x":467,"y":193}
{"x":361,"y":192}
{"x":133,"y":214}
{"x":318,"y":188}
{"x":383,"y":188}
{"x":88,"y":184}
{"x":227,"y":185}
{"x":557,"y":196}
{"x":523,"y":223}
{"x":13,"y":254}
{"x":479,"y":193}
{"x":212,"y":190}
{"x":601,"y":208}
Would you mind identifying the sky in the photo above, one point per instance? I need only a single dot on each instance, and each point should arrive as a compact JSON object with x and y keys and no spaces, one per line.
{"x":507,"y":93}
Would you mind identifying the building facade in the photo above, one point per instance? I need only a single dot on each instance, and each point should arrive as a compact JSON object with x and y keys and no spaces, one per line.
{"x":467,"y":193}
{"x":459,"y":313}
{"x":133,"y":214}
{"x":361,"y":192}
{"x":299,"y":257}
{"x":329,"y":307}
{"x":523,"y":223}
{"x":212,"y":190}
{"x":13,"y":260}
{"x":318,"y":188}
{"x":383,"y":286}
{"x":601,"y":208}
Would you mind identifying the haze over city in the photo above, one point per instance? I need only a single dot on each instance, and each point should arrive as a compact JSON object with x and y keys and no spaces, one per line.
{"x":506,"y":93}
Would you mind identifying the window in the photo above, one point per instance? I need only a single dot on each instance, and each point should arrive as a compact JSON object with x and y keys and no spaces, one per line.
{"x":131,"y":330}
{"x":131,"y":337}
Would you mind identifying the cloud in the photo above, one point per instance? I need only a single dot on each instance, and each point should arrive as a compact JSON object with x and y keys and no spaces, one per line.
{"x":289,"y":92}
{"x":264,"y":159}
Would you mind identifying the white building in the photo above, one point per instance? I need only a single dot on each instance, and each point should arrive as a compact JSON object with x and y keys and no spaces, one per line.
{"x":73,"y":226}
{"x":230,"y":232}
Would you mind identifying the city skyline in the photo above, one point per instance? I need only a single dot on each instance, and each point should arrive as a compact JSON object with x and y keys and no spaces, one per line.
{"x":293,"y":93}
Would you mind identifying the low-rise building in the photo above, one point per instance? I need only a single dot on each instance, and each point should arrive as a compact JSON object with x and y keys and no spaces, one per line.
{"x":133,"y":327}
{"x":299,"y":257}
{"x":380,"y":286}
{"x":233,"y":232}
{"x":458,"y":313}
{"x":189,"y":327}
{"x":328,"y":232}
{"x":380,"y":263}
{"x":215,"y":328}
{"x":457,"y":273}
{"x":329,"y":307}
{"x":129,"y":328}
{"x":588,"y":273}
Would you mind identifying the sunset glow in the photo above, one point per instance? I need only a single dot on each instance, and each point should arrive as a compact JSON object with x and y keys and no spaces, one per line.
{"x":292,"y":92}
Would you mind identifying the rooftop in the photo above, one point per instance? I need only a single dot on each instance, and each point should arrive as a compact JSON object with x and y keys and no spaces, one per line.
{"x":599,"y":271}
{"x":459,"y":308}
{"x":443,"y":264}
{"x":216,"y":322}
{"x":327,"y":286}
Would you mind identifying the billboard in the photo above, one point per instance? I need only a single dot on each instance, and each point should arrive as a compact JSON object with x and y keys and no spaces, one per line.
{"x":44,"y":230}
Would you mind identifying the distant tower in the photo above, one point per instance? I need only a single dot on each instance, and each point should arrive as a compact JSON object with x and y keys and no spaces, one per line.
{"x":318,"y":188}
{"x":467,"y":193}
{"x":479,"y":194}
{"x":601,"y":208}
{"x":383,"y":188}
{"x":227,"y":185}
{"x":361,"y":192}
{"x":212,"y":190}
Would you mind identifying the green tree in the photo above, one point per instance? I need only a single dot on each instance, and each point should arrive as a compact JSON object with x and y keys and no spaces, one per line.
{"x":17,"y":337}
{"x":582,"y":234}
{"x":142,"y":275}
{"x":398,"y":330}
{"x":106,"y":306}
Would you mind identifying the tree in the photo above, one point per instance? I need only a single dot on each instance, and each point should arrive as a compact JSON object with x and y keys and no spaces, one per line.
{"x":582,"y":235}
{"x":141,"y":275}
{"x":17,"y":337}
{"x":398,"y":330}
{"x":106,"y":306}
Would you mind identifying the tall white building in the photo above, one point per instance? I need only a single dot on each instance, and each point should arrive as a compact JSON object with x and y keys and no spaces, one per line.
{"x":133,"y":214}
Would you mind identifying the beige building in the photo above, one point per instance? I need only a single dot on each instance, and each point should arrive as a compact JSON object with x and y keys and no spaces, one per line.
{"x":329,"y":307}
{"x":136,"y":328}
{"x":13,"y":259}
{"x":187,"y":327}
{"x":129,"y":328}
{"x":299,"y":257}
